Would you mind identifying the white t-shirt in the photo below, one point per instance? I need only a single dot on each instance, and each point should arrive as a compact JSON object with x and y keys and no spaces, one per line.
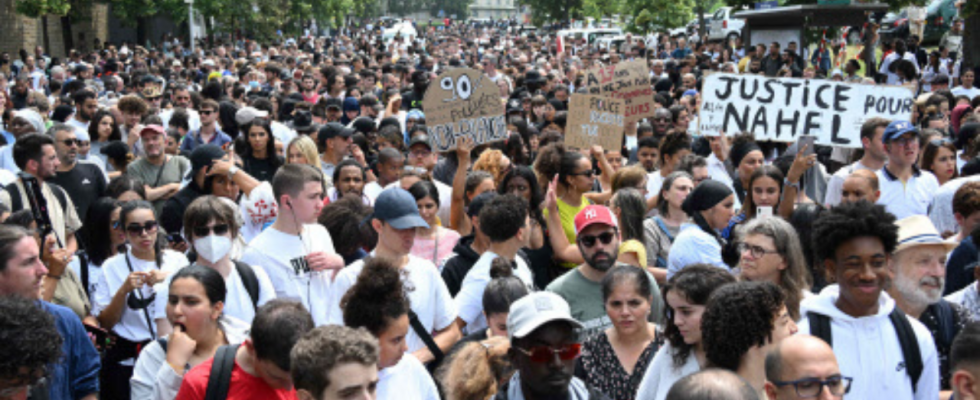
{"x":654,"y":181}
{"x":406,"y":380}
{"x":132,"y":325}
{"x":238,"y":303}
{"x":430,"y":298}
{"x":469,"y":300}
{"x":193,"y":118}
{"x":283,"y":256}
{"x":971,"y":92}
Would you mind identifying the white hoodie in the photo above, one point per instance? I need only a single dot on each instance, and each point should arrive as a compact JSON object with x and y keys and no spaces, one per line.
{"x":868,"y":350}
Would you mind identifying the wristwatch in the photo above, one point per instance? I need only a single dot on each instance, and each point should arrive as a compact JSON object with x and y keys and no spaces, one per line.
{"x":233,"y":170}
{"x":786,"y":182}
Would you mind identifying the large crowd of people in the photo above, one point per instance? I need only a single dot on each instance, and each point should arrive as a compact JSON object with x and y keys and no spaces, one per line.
{"x":272,"y":221}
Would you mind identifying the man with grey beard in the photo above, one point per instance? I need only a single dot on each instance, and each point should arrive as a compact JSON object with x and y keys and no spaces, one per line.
{"x":917,"y":287}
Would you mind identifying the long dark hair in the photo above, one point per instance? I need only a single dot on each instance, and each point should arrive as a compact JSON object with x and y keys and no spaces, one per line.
{"x":270,"y":145}
{"x":520,"y":171}
{"x":695,"y":283}
{"x":93,"y":127}
{"x":767,"y":171}
{"x":97,"y":226}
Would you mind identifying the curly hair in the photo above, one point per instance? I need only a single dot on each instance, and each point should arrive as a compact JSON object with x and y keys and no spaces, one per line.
{"x":673,"y":144}
{"x":695,"y":283}
{"x":377,"y":298}
{"x":555,"y":159}
{"x":490,"y":161}
{"x":503,"y":217}
{"x":322,"y":349}
{"x":847,"y":221}
{"x":30,"y":340}
{"x":476,"y":370}
{"x":738,"y":317}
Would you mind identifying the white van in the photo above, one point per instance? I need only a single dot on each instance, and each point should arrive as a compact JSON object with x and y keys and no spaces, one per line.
{"x":591,"y":34}
{"x":723,"y":26}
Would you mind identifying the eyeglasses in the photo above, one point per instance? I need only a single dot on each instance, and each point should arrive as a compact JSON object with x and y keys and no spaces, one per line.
{"x":588,"y":241}
{"x":545,"y":354}
{"x":72,"y":142}
{"x":420,"y":153}
{"x":207,"y":112}
{"x":219,"y":229}
{"x":811,"y":387}
{"x":587,"y":172}
{"x":137,"y":229}
{"x":756,"y":251}
{"x":907,"y":141}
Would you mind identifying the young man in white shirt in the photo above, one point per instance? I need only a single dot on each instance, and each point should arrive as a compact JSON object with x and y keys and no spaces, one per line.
{"x":905,"y":189}
{"x":296,"y":252}
{"x":858,"y":318}
{"x":505,"y":221}
{"x":874,"y":158}
{"x":395,"y":218}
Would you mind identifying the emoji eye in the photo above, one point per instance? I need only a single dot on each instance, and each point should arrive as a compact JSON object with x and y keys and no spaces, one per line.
{"x":446,"y":83}
{"x":463,"y":87}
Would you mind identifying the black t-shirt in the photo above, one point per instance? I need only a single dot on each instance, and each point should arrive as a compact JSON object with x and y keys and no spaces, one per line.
{"x":411,"y":100}
{"x":84,"y":184}
{"x":262,"y":170}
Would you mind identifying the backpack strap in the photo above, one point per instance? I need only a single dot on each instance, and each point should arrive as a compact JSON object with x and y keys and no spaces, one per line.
{"x":220,"y":379}
{"x":820,"y":327}
{"x":250,"y":280}
{"x":947,"y":322}
{"x":910,"y":346}
{"x":426,"y":337}
{"x":163,"y":344}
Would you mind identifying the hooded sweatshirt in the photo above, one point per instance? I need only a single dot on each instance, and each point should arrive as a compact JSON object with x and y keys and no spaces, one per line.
{"x":868,"y":350}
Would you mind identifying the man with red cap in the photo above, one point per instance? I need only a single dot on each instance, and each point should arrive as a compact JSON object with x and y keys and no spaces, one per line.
{"x":597,"y":237}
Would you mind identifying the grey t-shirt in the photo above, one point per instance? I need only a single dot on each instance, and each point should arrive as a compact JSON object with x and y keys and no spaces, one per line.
{"x":584,"y":298}
{"x":173,"y":172}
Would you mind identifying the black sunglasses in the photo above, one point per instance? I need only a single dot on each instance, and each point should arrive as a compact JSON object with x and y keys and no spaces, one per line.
{"x":219,"y":229}
{"x":137,"y":229}
{"x":72,"y":142}
{"x":589,"y":241}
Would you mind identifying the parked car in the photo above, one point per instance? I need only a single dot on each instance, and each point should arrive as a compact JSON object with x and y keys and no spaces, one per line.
{"x":939,"y":19}
{"x":895,"y":25}
{"x":723,"y":26}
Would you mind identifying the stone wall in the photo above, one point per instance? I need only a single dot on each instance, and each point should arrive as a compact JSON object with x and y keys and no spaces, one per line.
{"x":21,"y":32}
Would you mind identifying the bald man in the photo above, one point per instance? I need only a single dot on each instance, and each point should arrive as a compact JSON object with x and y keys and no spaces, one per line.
{"x":712,"y":384}
{"x":860,"y":185}
{"x":804,"y":366}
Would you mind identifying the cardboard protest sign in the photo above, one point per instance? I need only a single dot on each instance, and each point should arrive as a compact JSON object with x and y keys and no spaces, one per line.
{"x":463,"y":102}
{"x":629,"y":81}
{"x":595,"y":120}
{"x":782,"y":109}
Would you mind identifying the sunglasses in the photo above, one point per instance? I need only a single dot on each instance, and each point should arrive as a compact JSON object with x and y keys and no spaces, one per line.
{"x":219,"y":229}
{"x":207,"y":112}
{"x":72,"y":142}
{"x":589,"y":241}
{"x":137,"y":229}
{"x":545,"y":354}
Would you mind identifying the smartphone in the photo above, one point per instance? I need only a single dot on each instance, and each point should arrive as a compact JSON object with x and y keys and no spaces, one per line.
{"x":808,"y":141}
{"x":101,"y":335}
{"x":765,"y":211}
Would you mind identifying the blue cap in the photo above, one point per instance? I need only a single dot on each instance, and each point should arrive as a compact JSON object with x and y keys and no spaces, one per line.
{"x":397,"y":207}
{"x":351,"y":104}
{"x":896,"y":129}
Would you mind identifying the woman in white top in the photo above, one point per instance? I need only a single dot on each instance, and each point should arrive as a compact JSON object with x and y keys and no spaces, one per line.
{"x":966,"y":87}
{"x":710,"y":207}
{"x":687,"y":294}
{"x":378,"y":302}
{"x":211,"y":227}
{"x":195,"y":308}
{"x":126,"y":295}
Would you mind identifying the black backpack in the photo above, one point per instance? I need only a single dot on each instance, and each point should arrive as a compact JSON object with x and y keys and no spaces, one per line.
{"x":250,"y":280}
{"x":820,"y":327}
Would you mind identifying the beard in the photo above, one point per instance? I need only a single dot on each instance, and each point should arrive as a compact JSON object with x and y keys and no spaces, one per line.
{"x":913,"y":291}
{"x":601,"y":264}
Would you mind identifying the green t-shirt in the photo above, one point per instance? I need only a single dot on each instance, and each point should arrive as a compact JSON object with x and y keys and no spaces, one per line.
{"x":173,"y":172}
{"x":584,"y":298}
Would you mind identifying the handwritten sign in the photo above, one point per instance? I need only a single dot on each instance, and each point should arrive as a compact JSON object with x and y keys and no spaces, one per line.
{"x":629,"y":81}
{"x":595,"y":120}
{"x":463,"y":102}
{"x":782,"y":109}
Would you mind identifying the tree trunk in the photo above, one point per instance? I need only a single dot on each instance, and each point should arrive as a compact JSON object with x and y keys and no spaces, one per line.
{"x":971,"y":40}
{"x":701,"y":27}
{"x":66,"y":34}
{"x":44,"y":29}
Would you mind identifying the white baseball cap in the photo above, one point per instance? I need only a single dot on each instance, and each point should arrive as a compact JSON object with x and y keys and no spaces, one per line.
{"x":535,"y":310}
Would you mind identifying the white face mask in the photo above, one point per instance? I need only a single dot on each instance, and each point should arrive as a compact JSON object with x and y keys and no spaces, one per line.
{"x":212,"y":247}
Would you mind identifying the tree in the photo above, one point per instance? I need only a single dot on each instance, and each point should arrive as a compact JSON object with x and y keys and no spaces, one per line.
{"x":553,"y":10}
{"x":601,"y":8}
{"x":649,"y":15}
{"x":971,"y":34}
{"x":41,"y":9}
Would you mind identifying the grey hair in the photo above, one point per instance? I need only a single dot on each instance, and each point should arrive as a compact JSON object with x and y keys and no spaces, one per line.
{"x":59,"y":127}
{"x":796,"y":277}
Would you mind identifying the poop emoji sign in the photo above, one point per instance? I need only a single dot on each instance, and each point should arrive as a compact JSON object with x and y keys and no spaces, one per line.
{"x":463,"y":102}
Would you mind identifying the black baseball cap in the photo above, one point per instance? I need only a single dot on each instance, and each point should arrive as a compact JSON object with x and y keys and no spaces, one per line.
{"x":334,"y":102}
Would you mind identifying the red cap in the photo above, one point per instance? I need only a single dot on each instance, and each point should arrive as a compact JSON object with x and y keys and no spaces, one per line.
{"x":152,"y":129}
{"x":594,"y":215}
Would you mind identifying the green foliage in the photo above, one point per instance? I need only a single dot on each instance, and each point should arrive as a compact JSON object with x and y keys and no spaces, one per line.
{"x":650,"y":15}
{"x":38,"y":8}
{"x":601,"y":8}
{"x":545,"y":11}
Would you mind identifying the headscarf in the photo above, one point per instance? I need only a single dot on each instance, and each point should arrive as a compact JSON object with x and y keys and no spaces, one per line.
{"x":705,"y":196}
{"x":957,"y":116}
{"x":32,"y":117}
{"x":742,"y":149}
